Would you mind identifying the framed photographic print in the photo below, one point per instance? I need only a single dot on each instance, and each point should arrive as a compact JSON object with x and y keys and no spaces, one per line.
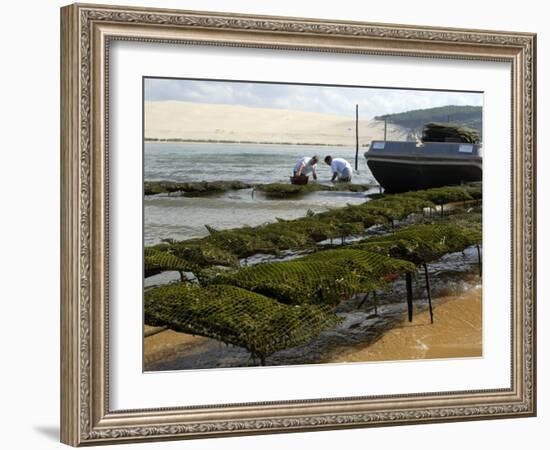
{"x":278,"y":224}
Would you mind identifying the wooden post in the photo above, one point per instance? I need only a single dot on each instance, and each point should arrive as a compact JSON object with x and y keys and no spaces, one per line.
{"x":356,"y":135}
{"x":262,"y":360}
{"x":365,"y":298}
{"x":479,"y":262}
{"x":385,"y":129}
{"x":408,"y":280}
{"x":375,"y":303}
{"x":429,"y":292}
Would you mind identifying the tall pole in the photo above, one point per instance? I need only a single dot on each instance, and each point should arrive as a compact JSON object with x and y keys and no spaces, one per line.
{"x":356,"y":135}
{"x":429,"y":289}
{"x":385,"y":129}
{"x":408,"y":284}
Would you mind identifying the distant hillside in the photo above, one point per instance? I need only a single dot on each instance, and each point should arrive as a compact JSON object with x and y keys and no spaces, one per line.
{"x":414,"y":121}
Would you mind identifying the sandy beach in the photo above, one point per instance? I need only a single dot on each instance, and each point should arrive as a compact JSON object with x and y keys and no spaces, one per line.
{"x":455,"y":333}
{"x":167,"y":343}
{"x":235,"y":123}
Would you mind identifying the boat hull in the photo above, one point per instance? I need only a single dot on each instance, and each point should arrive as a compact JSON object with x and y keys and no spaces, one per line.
{"x":402,"y":168}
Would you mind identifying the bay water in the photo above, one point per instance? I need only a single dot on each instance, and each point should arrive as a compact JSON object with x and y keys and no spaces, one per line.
{"x":179,"y":217}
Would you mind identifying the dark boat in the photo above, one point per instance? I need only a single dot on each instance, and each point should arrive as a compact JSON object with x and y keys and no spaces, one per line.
{"x":406,"y":166}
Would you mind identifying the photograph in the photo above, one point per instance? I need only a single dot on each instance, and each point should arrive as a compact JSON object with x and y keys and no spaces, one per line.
{"x":287,"y":223}
{"x":296,"y":224}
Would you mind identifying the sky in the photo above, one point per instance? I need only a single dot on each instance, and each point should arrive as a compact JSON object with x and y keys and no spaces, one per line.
{"x":334,"y":100}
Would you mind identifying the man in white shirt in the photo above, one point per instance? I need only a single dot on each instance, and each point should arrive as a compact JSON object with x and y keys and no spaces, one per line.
{"x":305,"y":166}
{"x":340,"y":168}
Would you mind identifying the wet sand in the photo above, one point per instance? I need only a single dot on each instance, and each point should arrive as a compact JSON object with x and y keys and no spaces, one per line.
{"x":455,"y":333}
{"x":165,"y":344}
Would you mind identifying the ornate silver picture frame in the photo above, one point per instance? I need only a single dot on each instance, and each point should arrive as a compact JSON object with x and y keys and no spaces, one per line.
{"x":87,"y":34}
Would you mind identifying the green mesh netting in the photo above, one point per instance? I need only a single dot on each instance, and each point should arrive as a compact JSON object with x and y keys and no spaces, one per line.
{"x":351,"y":214}
{"x":236,"y":316}
{"x":225,"y":247}
{"x":156,"y":261}
{"x":192,"y":188}
{"x":327,"y":277}
{"x":422,"y":243}
{"x":316,"y":228}
{"x":470,"y":221}
{"x":203,"y":253}
{"x":370,"y":263}
{"x":285,"y":190}
{"x":397,"y":207}
{"x":443,"y":195}
{"x":272,"y":306}
{"x":295,"y":282}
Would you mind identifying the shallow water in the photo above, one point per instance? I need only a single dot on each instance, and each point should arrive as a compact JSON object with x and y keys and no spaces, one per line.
{"x":250,"y":163}
{"x":178,"y":217}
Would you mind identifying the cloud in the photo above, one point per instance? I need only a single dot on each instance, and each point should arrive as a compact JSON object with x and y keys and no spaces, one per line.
{"x":323,"y":99}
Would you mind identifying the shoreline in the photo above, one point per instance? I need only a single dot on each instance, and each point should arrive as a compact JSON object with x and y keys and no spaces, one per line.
{"x":222,"y":141}
{"x":456,"y":333}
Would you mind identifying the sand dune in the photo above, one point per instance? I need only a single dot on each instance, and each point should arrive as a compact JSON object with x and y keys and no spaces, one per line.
{"x":199,"y":121}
